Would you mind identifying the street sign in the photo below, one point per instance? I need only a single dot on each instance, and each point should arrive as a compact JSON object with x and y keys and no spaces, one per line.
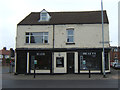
{"x":35,"y":61}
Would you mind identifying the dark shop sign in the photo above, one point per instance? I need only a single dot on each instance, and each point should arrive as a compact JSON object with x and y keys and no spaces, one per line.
{"x":40,"y":54}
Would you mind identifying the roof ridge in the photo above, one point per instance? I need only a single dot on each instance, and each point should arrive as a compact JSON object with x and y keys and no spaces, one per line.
{"x":72,"y":11}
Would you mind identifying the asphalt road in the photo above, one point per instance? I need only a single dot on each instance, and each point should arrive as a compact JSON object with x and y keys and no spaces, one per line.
{"x":59,"y":84}
{"x":34,"y":83}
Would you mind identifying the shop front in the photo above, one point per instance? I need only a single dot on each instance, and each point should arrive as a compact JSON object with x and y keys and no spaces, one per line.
{"x":62,"y":62}
{"x":92,"y":60}
{"x":25,"y":61}
{"x":44,"y":60}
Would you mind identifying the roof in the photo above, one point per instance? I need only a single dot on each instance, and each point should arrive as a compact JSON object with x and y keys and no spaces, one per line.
{"x":83,"y":17}
{"x":4,"y":52}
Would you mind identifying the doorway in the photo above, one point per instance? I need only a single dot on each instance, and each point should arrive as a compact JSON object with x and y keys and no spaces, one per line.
{"x":70,"y":63}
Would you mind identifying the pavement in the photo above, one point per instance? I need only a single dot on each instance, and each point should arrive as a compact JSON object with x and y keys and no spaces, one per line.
{"x":10,"y":76}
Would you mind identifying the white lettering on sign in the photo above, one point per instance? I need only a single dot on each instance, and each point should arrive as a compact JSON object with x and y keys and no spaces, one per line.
{"x":89,"y":53}
{"x":41,"y":54}
{"x":84,"y":53}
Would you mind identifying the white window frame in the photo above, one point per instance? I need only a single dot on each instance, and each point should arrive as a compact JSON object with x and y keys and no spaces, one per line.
{"x":44,"y":15}
{"x":43,"y":37}
{"x":6,"y":56}
{"x":70,"y":35}
{"x":1,"y":56}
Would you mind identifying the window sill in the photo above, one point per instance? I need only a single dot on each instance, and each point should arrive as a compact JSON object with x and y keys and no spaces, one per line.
{"x":36,"y":44}
{"x":59,"y":67}
{"x":70,"y":43}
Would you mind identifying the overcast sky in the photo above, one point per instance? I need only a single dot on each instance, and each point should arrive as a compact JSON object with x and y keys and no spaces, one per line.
{"x":13,"y":11}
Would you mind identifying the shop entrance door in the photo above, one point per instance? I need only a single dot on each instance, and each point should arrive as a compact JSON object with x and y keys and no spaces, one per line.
{"x":70,"y":63}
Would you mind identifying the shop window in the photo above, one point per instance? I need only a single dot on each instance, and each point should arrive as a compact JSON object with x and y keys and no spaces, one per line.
{"x":32,"y":62}
{"x":43,"y":61}
{"x":59,"y":61}
{"x":89,"y":60}
{"x":106,"y":61}
{"x":115,"y":50}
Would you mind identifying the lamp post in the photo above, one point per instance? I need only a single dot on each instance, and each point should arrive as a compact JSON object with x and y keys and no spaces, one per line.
{"x":103,"y":39}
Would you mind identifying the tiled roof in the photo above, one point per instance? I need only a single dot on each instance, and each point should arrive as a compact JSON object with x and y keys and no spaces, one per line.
{"x":4,"y":52}
{"x":83,"y":17}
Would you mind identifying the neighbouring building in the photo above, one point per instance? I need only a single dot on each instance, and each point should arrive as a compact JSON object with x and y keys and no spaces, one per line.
{"x":118,"y":54}
{"x":6,"y":54}
{"x":62,"y":42}
{"x":115,"y":54}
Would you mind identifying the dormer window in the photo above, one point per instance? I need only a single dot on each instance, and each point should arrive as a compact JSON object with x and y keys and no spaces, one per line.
{"x":44,"y":16}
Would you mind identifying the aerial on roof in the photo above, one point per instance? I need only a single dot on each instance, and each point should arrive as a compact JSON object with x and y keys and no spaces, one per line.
{"x":83,"y":17}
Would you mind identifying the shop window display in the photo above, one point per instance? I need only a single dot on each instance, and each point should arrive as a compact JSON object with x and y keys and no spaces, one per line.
{"x":89,"y":61}
{"x":43,"y":61}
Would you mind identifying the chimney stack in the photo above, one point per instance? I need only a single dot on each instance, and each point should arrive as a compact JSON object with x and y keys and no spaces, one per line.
{"x":4,"y":48}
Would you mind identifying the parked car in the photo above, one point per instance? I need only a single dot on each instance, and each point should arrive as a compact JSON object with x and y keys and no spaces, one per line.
{"x":113,"y":64}
{"x":117,"y":66}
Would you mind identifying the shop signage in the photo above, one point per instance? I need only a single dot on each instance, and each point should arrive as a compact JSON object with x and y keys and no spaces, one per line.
{"x":40,"y":54}
{"x":89,"y":53}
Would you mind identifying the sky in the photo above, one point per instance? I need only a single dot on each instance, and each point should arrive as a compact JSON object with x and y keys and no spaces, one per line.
{"x":13,"y":11}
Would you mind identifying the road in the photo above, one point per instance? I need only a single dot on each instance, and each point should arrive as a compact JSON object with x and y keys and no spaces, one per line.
{"x":57,"y":81}
{"x":60,"y":84}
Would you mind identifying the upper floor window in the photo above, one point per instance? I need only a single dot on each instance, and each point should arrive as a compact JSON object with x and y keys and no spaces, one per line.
{"x":6,"y":56}
{"x":1,"y":56}
{"x":36,"y":37}
{"x":115,"y":50}
{"x":70,"y":35}
{"x":116,"y":55}
{"x":44,"y":16}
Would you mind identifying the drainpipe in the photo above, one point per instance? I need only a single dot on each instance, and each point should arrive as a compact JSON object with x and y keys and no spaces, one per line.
{"x":53,"y":49}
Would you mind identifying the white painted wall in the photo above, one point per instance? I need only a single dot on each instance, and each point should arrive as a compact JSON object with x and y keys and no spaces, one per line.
{"x":60,"y":69}
{"x":40,"y":71}
{"x":85,"y":35}
{"x":76,"y":62}
{"x":20,"y":40}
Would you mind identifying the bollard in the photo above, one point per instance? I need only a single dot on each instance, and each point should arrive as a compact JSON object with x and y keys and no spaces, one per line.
{"x":35,"y":62}
{"x":89,"y":74}
{"x":10,"y":69}
{"x":34,"y":70}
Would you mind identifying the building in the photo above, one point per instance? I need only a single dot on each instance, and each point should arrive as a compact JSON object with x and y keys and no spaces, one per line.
{"x":6,"y":54}
{"x":114,"y":55}
{"x":62,"y":42}
{"x":119,"y":54}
